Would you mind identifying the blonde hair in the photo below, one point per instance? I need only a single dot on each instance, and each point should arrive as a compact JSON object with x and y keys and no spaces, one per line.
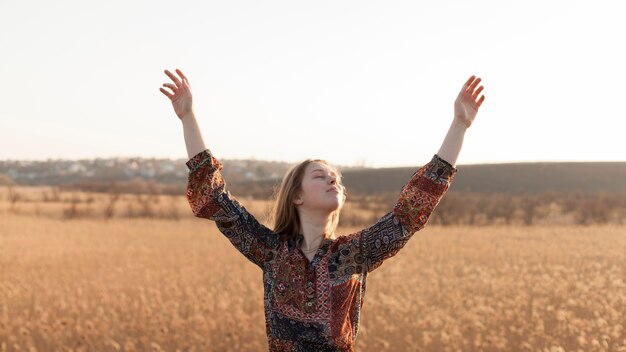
{"x":285,"y":215}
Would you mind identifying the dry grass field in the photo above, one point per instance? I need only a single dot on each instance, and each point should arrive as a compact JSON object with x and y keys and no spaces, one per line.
{"x":131,"y":283}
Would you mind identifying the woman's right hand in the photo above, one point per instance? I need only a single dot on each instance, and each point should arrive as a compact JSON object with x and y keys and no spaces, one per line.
{"x":180,"y":95}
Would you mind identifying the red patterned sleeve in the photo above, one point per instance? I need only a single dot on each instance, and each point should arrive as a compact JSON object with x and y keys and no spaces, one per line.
{"x":366,"y":250}
{"x":424,"y":191}
{"x":205,"y":184}
{"x":208,"y":198}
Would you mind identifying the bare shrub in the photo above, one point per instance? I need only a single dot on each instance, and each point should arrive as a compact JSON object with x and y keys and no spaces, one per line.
{"x":592,"y":211}
{"x":14,"y":197}
{"x":114,"y":195}
{"x":71,"y":211}
{"x":141,"y":208}
{"x":53,"y":196}
{"x":109,"y":211}
{"x":145,"y":206}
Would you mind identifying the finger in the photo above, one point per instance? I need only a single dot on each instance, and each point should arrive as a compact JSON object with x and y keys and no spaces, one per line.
{"x":170,"y":86}
{"x":182,"y":75}
{"x":167,"y":94}
{"x":465,"y":86}
{"x":185,"y":80}
{"x":174,"y":90}
{"x":477,"y":92}
{"x":174,"y":78}
{"x":480,"y":101}
{"x":473,"y":85}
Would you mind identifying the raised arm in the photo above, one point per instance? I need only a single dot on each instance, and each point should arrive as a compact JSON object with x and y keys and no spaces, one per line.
{"x":182,"y":101}
{"x":206,"y":189}
{"x":367,"y":249}
{"x":465,"y":109}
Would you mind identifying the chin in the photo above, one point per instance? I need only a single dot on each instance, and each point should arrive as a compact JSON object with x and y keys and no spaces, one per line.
{"x":336,"y":206}
{"x":332,"y":208}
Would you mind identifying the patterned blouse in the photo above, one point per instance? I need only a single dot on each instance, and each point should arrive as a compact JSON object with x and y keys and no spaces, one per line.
{"x":315,"y":305}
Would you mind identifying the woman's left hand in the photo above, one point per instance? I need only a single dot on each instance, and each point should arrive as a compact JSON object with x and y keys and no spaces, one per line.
{"x":467,"y":102}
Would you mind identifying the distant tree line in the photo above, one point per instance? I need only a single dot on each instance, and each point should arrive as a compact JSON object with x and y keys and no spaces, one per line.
{"x":466,"y":208}
{"x":456,"y":207}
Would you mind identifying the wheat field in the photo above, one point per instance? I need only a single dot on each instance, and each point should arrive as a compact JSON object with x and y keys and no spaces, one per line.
{"x":159,"y":284}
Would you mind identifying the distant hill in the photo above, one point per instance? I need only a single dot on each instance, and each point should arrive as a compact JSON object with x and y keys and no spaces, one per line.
{"x":514,"y":178}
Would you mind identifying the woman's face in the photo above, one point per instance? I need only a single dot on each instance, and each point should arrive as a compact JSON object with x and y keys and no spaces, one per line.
{"x":321,"y":188}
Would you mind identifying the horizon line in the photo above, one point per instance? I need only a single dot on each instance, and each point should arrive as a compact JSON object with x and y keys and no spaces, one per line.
{"x":366,"y":165}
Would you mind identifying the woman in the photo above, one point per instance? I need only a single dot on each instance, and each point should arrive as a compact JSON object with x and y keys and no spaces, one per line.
{"x":314,"y":281}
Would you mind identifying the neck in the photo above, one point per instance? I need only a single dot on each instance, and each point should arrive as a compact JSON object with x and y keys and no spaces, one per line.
{"x":314,"y":227}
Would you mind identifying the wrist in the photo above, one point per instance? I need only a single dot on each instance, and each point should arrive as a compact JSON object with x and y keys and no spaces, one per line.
{"x":189,"y":115}
{"x":459,"y":125}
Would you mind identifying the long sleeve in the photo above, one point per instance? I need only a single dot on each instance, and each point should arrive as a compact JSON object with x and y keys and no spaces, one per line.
{"x":422,"y":193}
{"x":418,"y":198}
{"x":209,"y":199}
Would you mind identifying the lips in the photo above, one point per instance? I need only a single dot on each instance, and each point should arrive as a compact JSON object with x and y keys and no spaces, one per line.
{"x":334,"y":189}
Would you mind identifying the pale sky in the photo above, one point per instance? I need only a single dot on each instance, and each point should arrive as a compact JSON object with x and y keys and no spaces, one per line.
{"x":370,"y":82}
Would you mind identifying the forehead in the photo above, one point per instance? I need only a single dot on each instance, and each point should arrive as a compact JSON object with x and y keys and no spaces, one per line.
{"x":319,"y":167}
